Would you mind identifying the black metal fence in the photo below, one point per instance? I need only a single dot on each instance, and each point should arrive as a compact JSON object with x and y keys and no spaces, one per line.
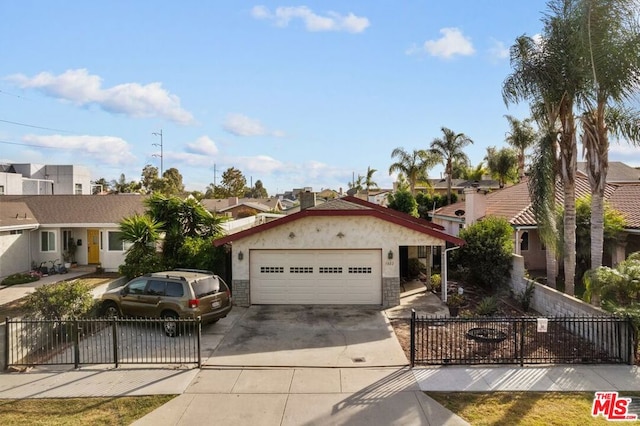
{"x":101,"y":341}
{"x":521,"y":340}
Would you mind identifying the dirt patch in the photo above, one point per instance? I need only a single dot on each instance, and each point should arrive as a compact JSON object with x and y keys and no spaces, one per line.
{"x":402,"y":328}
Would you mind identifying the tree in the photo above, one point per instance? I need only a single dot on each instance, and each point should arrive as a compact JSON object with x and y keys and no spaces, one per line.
{"x":503,"y":164}
{"x":611,"y":36}
{"x":549,"y":73}
{"x":521,"y":137}
{"x":449,"y":149}
{"x":233,"y":183}
{"x":258,"y":191}
{"x":143,"y":232}
{"x":101,"y":186}
{"x":414,"y":166}
{"x":150,"y":179}
{"x":368,"y":180}
{"x":404,"y":201}
{"x":356,"y":185}
{"x":487,"y":252}
{"x":172,"y":182}
{"x":122,"y":186}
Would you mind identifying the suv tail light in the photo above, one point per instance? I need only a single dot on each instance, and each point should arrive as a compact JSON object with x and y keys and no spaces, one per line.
{"x":194,"y":303}
{"x":228,"y":293}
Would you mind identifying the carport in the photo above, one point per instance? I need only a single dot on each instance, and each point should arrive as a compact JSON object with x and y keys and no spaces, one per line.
{"x":345,"y":251}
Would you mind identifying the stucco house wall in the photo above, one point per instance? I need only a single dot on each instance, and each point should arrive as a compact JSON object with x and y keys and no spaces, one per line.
{"x":14,"y":250}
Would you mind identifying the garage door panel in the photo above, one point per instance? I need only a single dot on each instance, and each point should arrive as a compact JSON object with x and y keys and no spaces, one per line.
{"x":316,"y":277}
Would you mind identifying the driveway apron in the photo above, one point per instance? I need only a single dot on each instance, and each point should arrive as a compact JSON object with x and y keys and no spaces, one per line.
{"x":309,"y":336}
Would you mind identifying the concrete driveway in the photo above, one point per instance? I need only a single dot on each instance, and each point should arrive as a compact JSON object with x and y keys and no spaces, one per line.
{"x":309,"y":336}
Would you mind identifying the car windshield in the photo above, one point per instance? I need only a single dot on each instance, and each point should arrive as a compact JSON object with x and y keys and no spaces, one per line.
{"x":206,"y":286}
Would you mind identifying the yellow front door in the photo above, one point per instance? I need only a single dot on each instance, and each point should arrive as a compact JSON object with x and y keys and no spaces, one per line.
{"x":93,"y":246}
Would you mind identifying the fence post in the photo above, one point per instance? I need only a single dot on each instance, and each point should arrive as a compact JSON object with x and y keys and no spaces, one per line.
{"x":413,"y":337}
{"x":76,"y":343}
{"x":114,"y":333}
{"x":7,"y":341}
{"x":199,"y":326}
{"x":522,"y":332}
{"x":632,"y":338}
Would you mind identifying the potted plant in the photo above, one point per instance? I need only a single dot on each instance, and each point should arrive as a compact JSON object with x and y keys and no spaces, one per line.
{"x":454,"y":302}
{"x":70,"y":255}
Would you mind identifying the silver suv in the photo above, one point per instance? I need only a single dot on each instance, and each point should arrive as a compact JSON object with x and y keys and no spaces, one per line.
{"x":181,"y":293}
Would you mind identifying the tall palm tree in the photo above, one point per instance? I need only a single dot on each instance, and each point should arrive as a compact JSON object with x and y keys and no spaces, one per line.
{"x":414,"y":166}
{"x":611,"y":36}
{"x":503,"y":164}
{"x":368,"y":179}
{"x":449,"y":149}
{"x":549,"y":72}
{"x":142,"y":232}
{"x":521,"y":137}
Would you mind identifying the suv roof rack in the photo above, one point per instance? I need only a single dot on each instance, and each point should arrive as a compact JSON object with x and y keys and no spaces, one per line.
{"x":201,"y":271}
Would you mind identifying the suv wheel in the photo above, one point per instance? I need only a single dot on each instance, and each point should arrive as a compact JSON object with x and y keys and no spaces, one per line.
{"x":170,"y":324}
{"x":110,"y":310}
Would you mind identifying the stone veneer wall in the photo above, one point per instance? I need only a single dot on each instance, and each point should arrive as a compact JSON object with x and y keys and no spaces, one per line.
{"x":390,"y":292}
{"x":547,"y":300}
{"x":241,"y":293}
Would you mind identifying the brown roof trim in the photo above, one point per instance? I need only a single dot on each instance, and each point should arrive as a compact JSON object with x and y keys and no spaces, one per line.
{"x":381,"y":213}
{"x":392,"y":212}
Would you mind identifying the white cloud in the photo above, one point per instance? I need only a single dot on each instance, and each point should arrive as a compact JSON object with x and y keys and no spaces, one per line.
{"x":108,"y":150}
{"x":82,"y":88}
{"x":241,"y":125}
{"x":332,"y":21}
{"x":203,"y":146}
{"x":259,"y":164}
{"x":498,"y":50}
{"x":452,"y":43}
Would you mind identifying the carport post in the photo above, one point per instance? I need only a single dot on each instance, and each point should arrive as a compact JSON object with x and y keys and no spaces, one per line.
{"x":444,"y":275}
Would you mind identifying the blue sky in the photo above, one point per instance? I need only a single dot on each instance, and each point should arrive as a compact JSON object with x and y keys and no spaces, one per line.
{"x":293,"y":94}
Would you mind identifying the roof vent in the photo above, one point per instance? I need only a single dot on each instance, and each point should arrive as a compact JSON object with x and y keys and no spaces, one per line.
{"x":459,"y":213}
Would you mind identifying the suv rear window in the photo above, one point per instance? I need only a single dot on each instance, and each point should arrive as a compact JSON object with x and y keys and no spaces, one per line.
{"x":206,"y":286}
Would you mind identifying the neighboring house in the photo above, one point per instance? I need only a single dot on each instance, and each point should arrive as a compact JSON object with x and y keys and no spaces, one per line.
{"x":375,"y":196}
{"x":37,"y":228}
{"x":513,"y":204}
{"x":40,"y":179}
{"x":236,"y":208}
{"x":618,"y":172}
{"x":345,"y":251}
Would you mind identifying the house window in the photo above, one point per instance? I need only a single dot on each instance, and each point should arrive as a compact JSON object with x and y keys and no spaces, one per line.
{"x":78,"y":189}
{"x":16,"y":232}
{"x":422,"y":252}
{"x":115,"y":242}
{"x":47,"y":241}
{"x":1,"y":189}
{"x":524,"y":241}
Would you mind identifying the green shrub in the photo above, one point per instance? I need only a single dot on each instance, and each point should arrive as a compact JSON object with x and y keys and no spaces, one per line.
{"x":436,"y":282}
{"x":488,"y":306}
{"x":526,"y":297}
{"x":66,"y":299}
{"x":19,"y":279}
{"x":135,"y":267}
{"x":487,"y":252}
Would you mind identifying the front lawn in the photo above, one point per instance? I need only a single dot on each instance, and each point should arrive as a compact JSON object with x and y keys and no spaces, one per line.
{"x":78,"y":411}
{"x":523,"y":408}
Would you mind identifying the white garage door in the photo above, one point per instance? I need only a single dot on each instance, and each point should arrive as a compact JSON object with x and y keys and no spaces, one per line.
{"x":316,"y":277}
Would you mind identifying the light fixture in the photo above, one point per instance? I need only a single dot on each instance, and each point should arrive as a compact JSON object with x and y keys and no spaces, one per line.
{"x":340,"y":235}
{"x":240,"y":255}
{"x":390,"y":255}
{"x":292,"y":235}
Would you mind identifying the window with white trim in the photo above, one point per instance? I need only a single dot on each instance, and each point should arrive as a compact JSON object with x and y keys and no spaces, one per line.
{"x":47,"y":241}
{"x":1,"y":189}
{"x":115,"y":241}
{"x":78,"y":190}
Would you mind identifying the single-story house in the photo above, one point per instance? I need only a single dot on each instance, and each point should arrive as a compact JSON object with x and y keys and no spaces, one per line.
{"x":344,"y":251}
{"x":514,"y":204}
{"x":38,"y":228}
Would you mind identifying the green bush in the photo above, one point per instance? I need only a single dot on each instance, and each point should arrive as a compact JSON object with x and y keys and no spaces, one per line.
{"x":436,"y":282}
{"x":487,"y":252}
{"x":19,"y":279}
{"x":66,"y":299}
{"x":135,"y":267}
{"x":488,"y":306}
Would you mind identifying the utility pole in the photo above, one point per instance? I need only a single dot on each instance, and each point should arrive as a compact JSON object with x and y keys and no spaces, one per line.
{"x":161,"y":151}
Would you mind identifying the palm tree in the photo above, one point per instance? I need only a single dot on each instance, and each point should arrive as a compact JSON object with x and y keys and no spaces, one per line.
{"x":503,"y":164}
{"x":142,"y":232}
{"x":368,"y":179}
{"x":521,"y":137}
{"x":414,"y":166}
{"x":549,"y":72}
{"x":612,"y":38}
{"x":450,"y":149}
